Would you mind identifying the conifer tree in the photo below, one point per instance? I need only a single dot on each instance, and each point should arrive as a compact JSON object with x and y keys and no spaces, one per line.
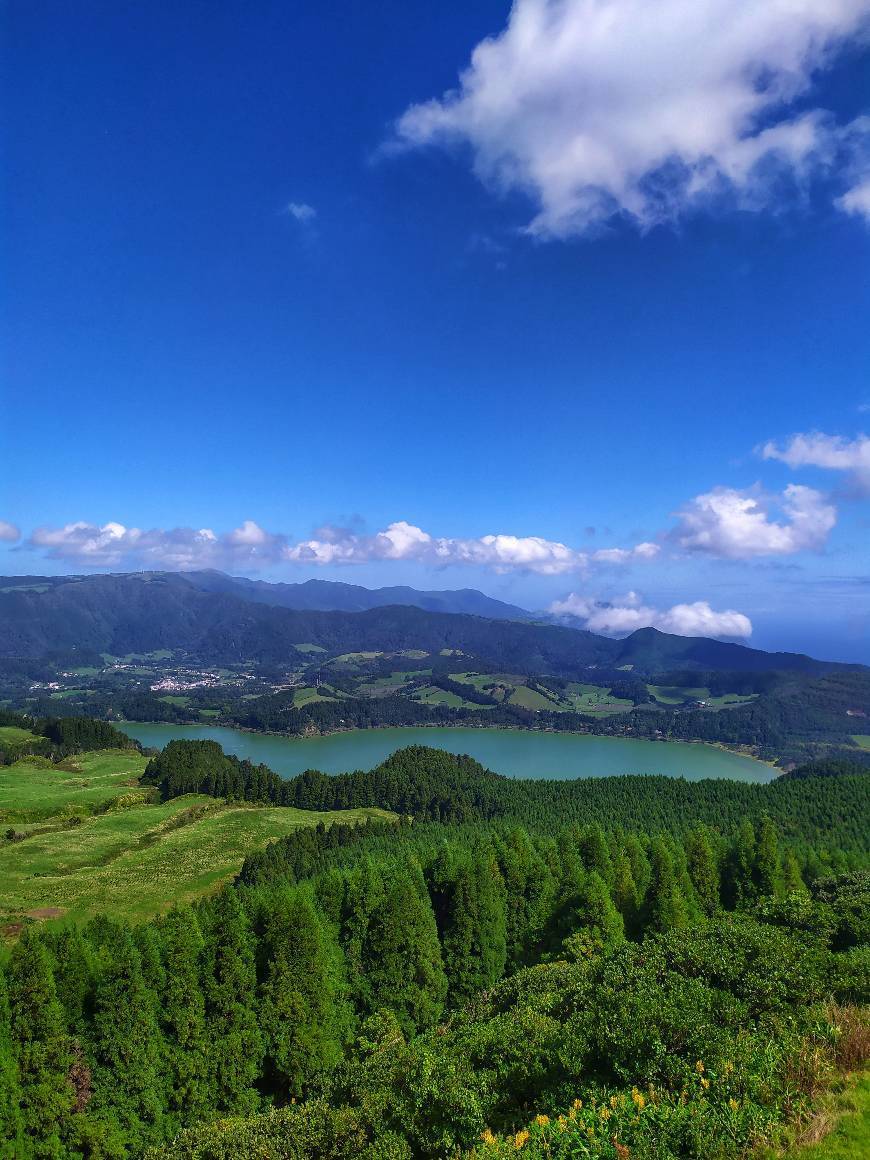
{"x":470,"y":897}
{"x":768,"y":879}
{"x":401,"y":954}
{"x":299,"y":1009}
{"x":182,"y":1016}
{"x":11,"y":1141}
{"x":598,"y":912}
{"x":73,"y":968}
{"x":126,"y":1042}
{"x":41,"y":1047}
{"x":740,"y":885}
{"x":792,"y":879}
{"x":665,"y":906}
{"x":235,"y":1050}
{"x":703,"y":870}
{"x":625,"y":894}
{"x":595,"y":853}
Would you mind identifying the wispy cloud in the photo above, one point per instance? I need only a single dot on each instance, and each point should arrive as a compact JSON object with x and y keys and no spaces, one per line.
{"x":829,"y":452}
{"x":9,"y":533}
{"x":111,"y":544}
{"x":301,"y":211}
{"x":602,"y":107}
{"x":628,"y":613}
{"x":737,"y":525}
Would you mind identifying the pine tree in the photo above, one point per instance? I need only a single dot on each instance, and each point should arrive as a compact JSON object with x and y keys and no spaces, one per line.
{"x":401,"y":955}
{"x":11,"y":1141}
{"x":792,"y":879}
{"x":127,"y":1047}
{"x":472,"y":906}
{"x":768,"y":880}
{"x":300,"y":1019}
{"x":235,"y":1050}
{"x":703,"y":870}
{"x":41,"y":1047}
{"x":595,"y":853}
{"x":597,"y":913}
{"x":665,"y":906}
{"x":73,"y":965}
{"x":182,"y":1016}
{"x":739,"y":885}
{"x":626,"y":896}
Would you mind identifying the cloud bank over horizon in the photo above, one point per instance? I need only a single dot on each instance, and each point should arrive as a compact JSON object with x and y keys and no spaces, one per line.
{"x":113,"y":544}
{"x":598,"y":108}
{"x":629,"y":613}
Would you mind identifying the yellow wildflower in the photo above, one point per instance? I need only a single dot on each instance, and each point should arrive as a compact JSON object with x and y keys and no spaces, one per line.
{"x":590,"y":1132}
{"x":578,"y":1104}
{"x":572,"y":1114}
{"x":605,"y":1113}
{"x":699,"y":1067}
{"x":733,"y":1104}
{"x":613,"y":1101}
{"x":542,"y":1121}
{"x":487,"y":1136}
{"x":563,"y":1123}
{"x":520,"y":1139}
{"x":728,"y":1068}
{"x":705,"y":1083}
{"x":639,"y":1100}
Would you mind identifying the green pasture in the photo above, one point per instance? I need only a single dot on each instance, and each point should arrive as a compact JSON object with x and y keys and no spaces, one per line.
{"x":13,"y":735}
{"x":89,"y":839}
{"x":33,"y":789}
{"x":862,"y":740}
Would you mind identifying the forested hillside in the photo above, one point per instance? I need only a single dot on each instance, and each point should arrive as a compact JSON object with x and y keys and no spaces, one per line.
{"x":144,"y":612}
{"x":612,"y":968}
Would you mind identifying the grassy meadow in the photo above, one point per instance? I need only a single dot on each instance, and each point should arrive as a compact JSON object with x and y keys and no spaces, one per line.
{"x":88,"y":839}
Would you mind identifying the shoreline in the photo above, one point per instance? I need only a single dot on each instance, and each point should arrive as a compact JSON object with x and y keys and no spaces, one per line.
{"x":732,"y":749}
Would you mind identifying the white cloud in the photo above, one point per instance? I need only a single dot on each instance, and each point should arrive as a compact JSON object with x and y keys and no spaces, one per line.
{"x":629,"y":613}
{"x":857,"y":200}
{"x":301,"y":211}
{"x":9,"y":533}
{"x":113,"y":544}
{"x":502,"y":553}
{"x":736,"y":524}
{"x":603,"y":107}
{"x":831,"y":452}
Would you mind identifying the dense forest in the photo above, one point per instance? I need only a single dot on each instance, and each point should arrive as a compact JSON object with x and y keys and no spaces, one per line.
{"x":588,"y":966}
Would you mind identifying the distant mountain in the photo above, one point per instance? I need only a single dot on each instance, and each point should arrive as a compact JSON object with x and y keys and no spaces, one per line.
{"x":336,"y":596}
{"x":146,"y":611}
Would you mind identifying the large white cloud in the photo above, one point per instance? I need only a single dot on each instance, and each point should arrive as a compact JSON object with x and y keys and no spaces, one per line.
{"x":627,"y":614}
{"x":9,"y":533}
{"x":737,"y":524}
{"x":112,"y":544}
{"x":597,"y":107}
{"x":831,"y":452}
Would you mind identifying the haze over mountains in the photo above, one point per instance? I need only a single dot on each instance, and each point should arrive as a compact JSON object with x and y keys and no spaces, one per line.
{"x":217,"y":617}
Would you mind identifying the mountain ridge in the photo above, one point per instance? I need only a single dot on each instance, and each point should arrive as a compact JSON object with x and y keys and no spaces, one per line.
{"x":125,"y":613}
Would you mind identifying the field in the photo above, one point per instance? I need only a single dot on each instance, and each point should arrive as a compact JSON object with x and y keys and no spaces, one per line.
{"x":89,"y":840}
{"x":862,"y":740}
{"x":680,"y":695}
{"x":12,"y":735}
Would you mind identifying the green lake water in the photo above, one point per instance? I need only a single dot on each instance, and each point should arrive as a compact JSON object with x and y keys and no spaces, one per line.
{"x":515,"y":752}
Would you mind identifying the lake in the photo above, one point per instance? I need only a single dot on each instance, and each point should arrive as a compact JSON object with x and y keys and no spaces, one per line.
{"x":515,"y":752}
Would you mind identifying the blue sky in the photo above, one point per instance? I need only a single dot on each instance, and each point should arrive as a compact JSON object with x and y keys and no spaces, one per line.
{"x":275,"y":303}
